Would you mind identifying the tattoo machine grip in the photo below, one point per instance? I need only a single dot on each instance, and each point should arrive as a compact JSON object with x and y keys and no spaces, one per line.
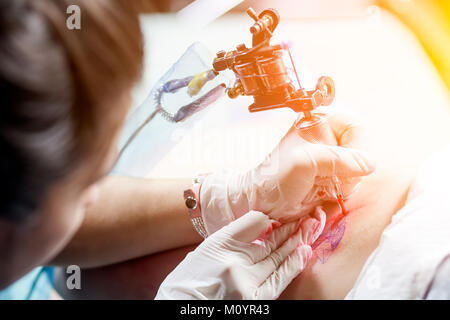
{"x":315,"y":128}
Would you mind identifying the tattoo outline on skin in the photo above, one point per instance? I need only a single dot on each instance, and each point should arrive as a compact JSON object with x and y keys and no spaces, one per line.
{"x":328,"y":241}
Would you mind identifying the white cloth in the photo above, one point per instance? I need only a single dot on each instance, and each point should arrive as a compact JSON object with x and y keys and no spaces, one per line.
{"x":439,"y":289}
{"x":417,"y":240}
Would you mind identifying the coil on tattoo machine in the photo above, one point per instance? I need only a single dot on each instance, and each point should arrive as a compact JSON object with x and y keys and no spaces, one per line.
{"x":261,"y":73}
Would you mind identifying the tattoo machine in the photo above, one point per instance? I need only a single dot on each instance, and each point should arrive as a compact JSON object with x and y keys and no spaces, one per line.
{"x":262,"y":74}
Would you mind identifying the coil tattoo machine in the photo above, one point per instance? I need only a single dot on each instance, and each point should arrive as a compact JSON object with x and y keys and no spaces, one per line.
{"x":262,"y":74}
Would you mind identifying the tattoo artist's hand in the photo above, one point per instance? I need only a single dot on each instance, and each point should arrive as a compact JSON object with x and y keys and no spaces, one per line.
{"x":292,"y":180}
{"x":230,"y":264}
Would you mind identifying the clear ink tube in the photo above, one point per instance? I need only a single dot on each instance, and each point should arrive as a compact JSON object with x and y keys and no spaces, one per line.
{"x":174,"y":103}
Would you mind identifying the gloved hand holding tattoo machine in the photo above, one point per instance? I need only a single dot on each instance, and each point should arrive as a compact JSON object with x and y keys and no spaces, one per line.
{"x":304,"y":169}
{"x":307,"y":167}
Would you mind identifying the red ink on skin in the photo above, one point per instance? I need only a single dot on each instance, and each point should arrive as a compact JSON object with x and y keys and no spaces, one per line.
{"x":340,"y":201}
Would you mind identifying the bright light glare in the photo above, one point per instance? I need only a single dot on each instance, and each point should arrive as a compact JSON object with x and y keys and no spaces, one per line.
{"x":202,"y":12}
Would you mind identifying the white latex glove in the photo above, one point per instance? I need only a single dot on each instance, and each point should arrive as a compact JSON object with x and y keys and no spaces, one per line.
{"x":291,"y":182}
{"x":231,"y":265}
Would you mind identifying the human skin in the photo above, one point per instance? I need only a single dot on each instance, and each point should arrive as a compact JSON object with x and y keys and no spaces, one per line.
{"x":370,"y":209}
{"x":26,"y":245}
{"x":138,"y":217}
{"x":140,"y":278}
{"x":130,"y":220}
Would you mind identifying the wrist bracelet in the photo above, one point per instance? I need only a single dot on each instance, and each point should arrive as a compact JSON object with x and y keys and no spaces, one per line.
{"x":192,"y":202}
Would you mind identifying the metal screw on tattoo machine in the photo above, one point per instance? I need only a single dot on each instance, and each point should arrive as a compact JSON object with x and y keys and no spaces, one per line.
{"x":261,"y":73}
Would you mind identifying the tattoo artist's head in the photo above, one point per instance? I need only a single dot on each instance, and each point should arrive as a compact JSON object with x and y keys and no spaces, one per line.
{"x":64,"y":96}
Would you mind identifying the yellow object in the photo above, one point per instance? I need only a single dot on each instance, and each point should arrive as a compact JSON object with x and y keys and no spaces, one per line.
{"x":198,"y":82}
{"x":236,"y":91}
{"x":430,"y":21}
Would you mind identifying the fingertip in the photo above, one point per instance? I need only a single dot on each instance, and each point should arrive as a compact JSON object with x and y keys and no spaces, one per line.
{"x":275,"y":223}
{"x":320,"y":214}
{"x":256,"y":216}
{"x":353,"y":162}
{"x":348,"y":128}
{"x":368,"y":161}
{"x":313,"y":227}
{"x":265,"y":234}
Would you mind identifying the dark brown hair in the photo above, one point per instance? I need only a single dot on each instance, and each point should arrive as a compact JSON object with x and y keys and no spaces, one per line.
{"x":59,"y":91}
